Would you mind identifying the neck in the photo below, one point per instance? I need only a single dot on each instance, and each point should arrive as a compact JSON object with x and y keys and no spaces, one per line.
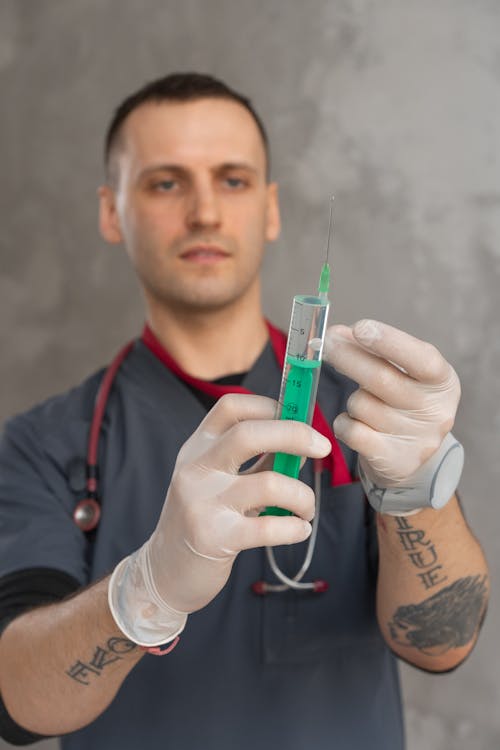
{"x":212,"y":343}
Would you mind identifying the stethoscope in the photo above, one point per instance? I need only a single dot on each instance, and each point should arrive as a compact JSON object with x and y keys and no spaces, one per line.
{"x":87,"y":512}
{"x":317,"y":586}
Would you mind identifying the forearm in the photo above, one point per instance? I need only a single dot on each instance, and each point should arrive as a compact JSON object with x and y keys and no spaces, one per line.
{"x":433,"y":586}
{"x":61,"y":665}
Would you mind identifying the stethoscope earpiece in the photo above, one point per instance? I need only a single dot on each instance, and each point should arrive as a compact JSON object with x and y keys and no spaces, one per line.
{"x":261,"y":588}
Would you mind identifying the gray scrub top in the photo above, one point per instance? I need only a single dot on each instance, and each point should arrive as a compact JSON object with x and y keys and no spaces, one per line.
{"x":296,"y":670}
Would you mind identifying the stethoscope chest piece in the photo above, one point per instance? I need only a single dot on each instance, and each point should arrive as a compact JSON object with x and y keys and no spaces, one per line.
{"x":87,"y":513}
{"x":82,"y":480}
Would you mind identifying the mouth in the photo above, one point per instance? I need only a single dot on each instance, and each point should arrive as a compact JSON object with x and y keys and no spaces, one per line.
{"x":204,"y":254}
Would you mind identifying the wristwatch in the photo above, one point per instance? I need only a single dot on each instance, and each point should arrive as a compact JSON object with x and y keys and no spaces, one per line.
{"x":431,"y":486}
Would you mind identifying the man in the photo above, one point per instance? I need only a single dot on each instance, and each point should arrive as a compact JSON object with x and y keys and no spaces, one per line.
{"x":188,"y":195}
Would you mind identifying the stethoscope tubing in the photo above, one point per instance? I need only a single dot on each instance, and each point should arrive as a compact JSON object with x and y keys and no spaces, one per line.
{"x":295,"y":583}
{"x":87,"y":512}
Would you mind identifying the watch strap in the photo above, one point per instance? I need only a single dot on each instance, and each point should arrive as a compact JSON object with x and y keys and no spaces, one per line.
{"x":431,"y":486}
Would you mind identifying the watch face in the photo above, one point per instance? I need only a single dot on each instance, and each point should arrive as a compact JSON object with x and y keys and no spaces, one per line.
{"x":447,"y":474}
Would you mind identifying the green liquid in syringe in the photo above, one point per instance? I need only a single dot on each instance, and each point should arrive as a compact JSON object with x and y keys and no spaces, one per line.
{"x":296,"y":405}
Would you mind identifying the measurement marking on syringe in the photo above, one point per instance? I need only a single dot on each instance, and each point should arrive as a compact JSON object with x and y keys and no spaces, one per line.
{"x":304,"y":347}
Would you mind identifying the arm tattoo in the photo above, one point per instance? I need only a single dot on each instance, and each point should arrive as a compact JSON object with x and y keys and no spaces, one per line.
{"x":82,"y":671}
{"x":446,"y":620}
{"x":421,"y":552}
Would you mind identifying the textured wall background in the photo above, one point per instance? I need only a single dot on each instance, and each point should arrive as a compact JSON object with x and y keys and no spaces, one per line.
{"x":392,"y":105}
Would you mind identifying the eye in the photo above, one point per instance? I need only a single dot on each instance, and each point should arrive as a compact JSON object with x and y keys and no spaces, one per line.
{"x":235,"y":182}
{"x":165,"y":186}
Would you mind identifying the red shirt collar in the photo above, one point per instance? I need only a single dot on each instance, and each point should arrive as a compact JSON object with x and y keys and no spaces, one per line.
{"x":335,"y":462}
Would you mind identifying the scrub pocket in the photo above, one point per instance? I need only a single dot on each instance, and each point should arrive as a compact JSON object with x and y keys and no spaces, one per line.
{"x":304,"y":627}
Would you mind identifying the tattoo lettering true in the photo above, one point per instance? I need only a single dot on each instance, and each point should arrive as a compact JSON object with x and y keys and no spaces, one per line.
{"x":84,"y":671}
{"x":446,"y":620}
{"x":421,"y":553}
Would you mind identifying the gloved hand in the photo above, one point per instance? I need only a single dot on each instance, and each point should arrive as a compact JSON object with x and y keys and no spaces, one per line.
{"x":211,"y":513}
{"x":405,"y":406}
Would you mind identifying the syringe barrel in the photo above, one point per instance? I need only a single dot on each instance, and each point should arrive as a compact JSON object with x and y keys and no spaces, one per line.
{"x":299,"y":383}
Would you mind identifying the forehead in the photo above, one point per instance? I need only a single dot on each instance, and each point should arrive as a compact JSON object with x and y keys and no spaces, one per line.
{"x":204,"y":132}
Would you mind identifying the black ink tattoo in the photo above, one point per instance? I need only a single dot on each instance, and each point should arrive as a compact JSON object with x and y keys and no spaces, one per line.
{"x":82,"y":672}
{"x":121,"y":645}
{"x":432,"y":578}
{"x":446,"y":620}
{"x":424,"y":559}
{"x":421,"y":553}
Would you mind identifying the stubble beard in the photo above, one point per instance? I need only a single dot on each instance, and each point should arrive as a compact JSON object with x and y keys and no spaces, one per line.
{"x":199,"y":295}
{"x":185,"y":289}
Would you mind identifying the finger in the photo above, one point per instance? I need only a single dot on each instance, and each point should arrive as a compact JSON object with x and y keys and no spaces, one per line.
{"x":266,"y":463}
{"x":230,"y":409}
{"x":392,"y":456}
{"x":378,"y":451}
{"x":381,"y":378}
{"x":358,"y":435}
{"x":271,"y":531}
{"x":378,"y":415}
{"x":269,"y":488}
{"x":237,"y":407}
{"x":247,"y":439}
{"x":421,"y":360}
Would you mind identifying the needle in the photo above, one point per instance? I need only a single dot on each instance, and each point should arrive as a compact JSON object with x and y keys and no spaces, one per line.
{"x":324,"y":279}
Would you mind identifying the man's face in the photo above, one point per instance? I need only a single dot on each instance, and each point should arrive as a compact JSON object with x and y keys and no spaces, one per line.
{"x":191,"y":202}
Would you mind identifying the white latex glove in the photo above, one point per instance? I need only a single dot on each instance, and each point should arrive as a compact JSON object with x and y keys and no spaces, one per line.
{"x":406,"y":402}
{"x":211,"y":513}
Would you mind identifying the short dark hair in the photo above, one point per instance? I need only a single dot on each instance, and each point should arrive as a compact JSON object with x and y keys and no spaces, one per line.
{"x":179,"y":87}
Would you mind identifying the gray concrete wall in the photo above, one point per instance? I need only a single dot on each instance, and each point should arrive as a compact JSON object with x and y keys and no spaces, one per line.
{"x":392,"y":105}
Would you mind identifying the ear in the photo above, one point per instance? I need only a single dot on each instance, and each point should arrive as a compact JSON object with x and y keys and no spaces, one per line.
{"x":273,"y":220}
{"x":109,"y":221}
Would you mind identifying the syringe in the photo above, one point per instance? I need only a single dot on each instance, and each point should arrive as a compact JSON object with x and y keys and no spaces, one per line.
{"x":301,"y":371}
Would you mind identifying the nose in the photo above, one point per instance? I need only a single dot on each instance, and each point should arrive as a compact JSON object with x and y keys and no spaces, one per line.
{"x":203,"y":210}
